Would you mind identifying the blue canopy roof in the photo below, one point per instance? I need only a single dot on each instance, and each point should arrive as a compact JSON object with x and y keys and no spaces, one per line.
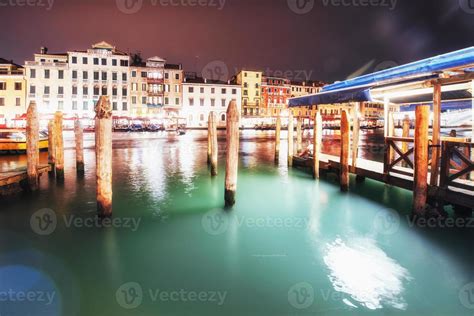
{"x":358,"y":89}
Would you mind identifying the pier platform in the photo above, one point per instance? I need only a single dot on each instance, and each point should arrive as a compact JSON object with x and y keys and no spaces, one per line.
{"x":12,"y":181}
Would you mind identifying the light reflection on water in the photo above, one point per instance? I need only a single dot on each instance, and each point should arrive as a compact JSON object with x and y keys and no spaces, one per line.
{"x":359,"y":268}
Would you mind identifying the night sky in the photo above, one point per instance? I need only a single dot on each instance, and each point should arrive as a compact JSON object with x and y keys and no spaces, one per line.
{"x":330,"y":42}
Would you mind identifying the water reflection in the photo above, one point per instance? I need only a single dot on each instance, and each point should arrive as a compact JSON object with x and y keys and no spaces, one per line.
{"x":360,"y":269}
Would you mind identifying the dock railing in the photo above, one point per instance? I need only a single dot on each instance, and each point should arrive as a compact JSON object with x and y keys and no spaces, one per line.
{"x":457,"y":164}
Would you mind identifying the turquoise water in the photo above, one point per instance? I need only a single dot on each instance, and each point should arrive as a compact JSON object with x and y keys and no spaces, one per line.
{"x":290,"y":246}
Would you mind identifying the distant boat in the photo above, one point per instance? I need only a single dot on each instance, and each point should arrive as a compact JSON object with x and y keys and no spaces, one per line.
{"x":14,"y":140}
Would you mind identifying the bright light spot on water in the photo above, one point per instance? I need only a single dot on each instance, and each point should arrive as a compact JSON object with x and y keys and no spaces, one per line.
{"x":365,"y":272}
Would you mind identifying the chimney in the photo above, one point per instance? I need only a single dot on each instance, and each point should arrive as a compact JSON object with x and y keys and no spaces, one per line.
{"x":44,"y":50}
{"x":205,"y":80}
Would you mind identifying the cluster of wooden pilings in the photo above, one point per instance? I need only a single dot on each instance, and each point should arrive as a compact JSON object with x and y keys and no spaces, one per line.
{"x":348,"y":156}
{"x":103,"y":149}
{"x":232,"y":150}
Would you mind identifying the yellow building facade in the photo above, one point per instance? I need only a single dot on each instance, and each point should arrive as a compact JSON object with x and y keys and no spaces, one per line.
{"x":251,"y":83}
{"x":12,"y":91}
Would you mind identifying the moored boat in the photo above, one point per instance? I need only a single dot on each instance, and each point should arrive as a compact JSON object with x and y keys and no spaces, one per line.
{"x":14,"y":140}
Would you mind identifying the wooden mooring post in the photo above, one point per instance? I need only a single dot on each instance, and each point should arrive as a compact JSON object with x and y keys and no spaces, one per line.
{"x":213,"y":140}
{"x":290,"y":140}
{"x":51,"y":154}
{"x":317,"y":140}
{"x":209,"y":144}
{"x":32,"y":146}
{"x":299,"y":135}
{"x":436,"y":141}
{"x":344,"y":156}
{"x":103,"y":154}
{"x":277,"y":139}
{"x":420,"y":184}
{"x":58,"y":145}
{"x":79,"y":137}
{"x":232,"y":155}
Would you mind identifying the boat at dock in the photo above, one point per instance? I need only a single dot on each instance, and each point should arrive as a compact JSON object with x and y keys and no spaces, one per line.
{"x":13,"y":141}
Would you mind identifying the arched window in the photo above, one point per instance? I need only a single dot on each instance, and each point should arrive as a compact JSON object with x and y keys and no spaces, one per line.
{"x":223,"y":117}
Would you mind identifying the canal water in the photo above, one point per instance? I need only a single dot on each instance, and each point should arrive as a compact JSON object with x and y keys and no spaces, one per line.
{"x":290,"y":246}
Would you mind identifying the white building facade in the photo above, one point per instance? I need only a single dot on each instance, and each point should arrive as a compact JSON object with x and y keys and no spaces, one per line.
{"x":201,"y":96}
{"x":74,"y":81}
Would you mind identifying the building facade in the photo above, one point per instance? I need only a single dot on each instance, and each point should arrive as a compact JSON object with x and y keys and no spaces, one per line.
{"x":201,"y":96}
{"x":73,"y":82}
{"x":275,"y":95}
{"x":12,"y":91}
{"x":251,"y":85}
{"x":299,"y":89}
{"x":173,"y":90}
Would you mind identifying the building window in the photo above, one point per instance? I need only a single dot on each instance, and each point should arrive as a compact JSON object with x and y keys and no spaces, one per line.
{"x":96,"y":76}
{"x":32,"y":73}
{"x":74,"y":90}
{"x":85,"y":106}
{"x":114,"y":76}
{"x":213,"y":102}
{"x":246,"y":92}
{"x":85,"y":75}
{"x":3,"y":86}
{"x":32,"y":90}
{"x":124,"y":106}
{"x":201,"y":102}
{"x":201,"y":117}
{"x":124,"y":63}
{"x":104,"y":62}
{"x":134,"y":74}
{"x":223,"y":103}
{"x":176,"y":76}
{"x":60,"y":74}
{"x":191,"y":89}
{"x":104,"y":76}
{"x":176,"y":88}
{"x":234,"y":91}
{"x":143,"y":100}
{"x":224,"y":91}
{"x":2,"y":101}
{"x":46,"y":90}
{"x":46,"y":73}
{"x":124,"y":92}
{"x":85,"y":61}
{"x":74,"y":59}
{"x":144,"y":74}
{"x":96,"y":61}
{"x":143,"y":86}
{"x":114,"y":62}
{"x":60,"y":90}
{"x":114,"y":106}
{"x":96,"y":90}
{"x":74,"y":105}
{"x":167,"y":75}
{"x":104,"y":90}
{"x":134,"y":100}
{"x":124,"y":77}
{"x":114,"y":91}
{"x":18,"y":102}
{"x":191,"y":101}
{"x":74,"y":74}
{"x":202,"y":90}
{"x":85,"y":91}
{"x":213,"y":90}
{"x":60,"y":105}
{"x":176,"y":101}
{"x":223,"y":117}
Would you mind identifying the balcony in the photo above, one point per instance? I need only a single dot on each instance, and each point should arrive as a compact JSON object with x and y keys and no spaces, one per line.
{"x":154,"y":106}
{"x":155,"y":81}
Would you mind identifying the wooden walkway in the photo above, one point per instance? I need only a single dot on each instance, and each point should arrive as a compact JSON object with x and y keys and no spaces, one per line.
{"x":375,"y":170}
{"x":16,"y":177}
